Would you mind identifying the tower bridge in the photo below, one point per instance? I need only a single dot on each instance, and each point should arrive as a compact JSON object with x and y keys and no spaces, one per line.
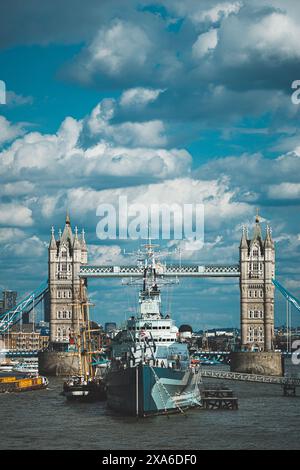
{"x":69,"y":272}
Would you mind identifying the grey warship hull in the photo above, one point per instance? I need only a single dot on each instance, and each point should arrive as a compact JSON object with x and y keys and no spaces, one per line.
{"x":145,"y":390}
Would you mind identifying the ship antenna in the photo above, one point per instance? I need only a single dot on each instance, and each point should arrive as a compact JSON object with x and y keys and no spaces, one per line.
{"x":149,"y":232}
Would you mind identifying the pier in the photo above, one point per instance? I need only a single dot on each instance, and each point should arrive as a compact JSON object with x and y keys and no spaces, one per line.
{"x":218,"y":398}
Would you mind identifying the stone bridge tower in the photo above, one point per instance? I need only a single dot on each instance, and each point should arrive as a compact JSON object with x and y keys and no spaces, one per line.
{"x":66,"y":288}
{"x":257,"y":268}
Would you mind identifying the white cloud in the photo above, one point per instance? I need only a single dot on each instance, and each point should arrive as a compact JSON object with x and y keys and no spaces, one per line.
{"x":219,"y":200}
{"x":243,"y":39}
{"x":205,"y":43}
{"x":284,"y":191}
{"x":116,"y":47}
{"x":148,"y":133}
{"x":38,"y":151}
{"x":16,"y":189}
{"x":27,"y":248}
{"x":14,"y":214}
{"x":9,"y":131}
{"x":127,"y":149}
{"x":8,"y":234}
{"x":276,"y":32}
{"x":217,"y":12}
{"x":139,"y":96}
{"x":121,"y":161}
{"x":104,"y":254}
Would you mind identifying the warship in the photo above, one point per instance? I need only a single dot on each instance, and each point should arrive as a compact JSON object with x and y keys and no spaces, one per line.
{"x":151,"y":371}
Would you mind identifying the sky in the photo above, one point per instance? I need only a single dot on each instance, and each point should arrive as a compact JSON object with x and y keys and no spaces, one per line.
{"x":175,"y":101}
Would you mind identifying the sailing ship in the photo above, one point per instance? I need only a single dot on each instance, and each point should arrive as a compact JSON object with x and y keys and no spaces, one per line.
{"x":87,"y":385}
{"x":151,"y":371}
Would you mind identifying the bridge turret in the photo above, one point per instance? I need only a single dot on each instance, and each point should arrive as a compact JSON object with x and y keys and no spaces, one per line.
{"x":269,"y":274}
{"x":257,"y":267}
{"x":65,"y":285}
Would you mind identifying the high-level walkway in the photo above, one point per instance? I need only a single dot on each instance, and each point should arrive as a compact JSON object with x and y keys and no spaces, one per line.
{"x":221,"y":374}
{"x":185,"y":270}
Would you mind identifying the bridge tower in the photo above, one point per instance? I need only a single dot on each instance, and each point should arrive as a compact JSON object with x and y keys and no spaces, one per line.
{"x":257,"y":268}
{"x":66,"y":289}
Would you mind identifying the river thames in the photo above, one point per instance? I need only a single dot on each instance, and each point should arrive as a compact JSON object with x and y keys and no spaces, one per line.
{"x":45,"y":420}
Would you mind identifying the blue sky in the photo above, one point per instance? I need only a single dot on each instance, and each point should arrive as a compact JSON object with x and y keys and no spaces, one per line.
{"x":175,"y":101}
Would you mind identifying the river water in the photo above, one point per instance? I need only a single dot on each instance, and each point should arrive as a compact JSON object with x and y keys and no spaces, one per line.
{"x":45,"y":420}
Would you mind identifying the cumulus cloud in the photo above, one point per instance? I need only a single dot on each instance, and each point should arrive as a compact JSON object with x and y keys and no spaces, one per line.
{"x":17,"y":188}
{"x":240,"y":46}
{"x":139,"y":96}
{"x":217,"y":12}
{"x":15,"y":215}
{"x":7,"y":234}
{"x":148,"y":133}
{"x":9,"y":131}
{"x":255,"y":172}
{"x":218,"y":199}
{"x":102,"y":254}
{"x":284,"y":191}
{"x":115,"y":49}
{"x":92,"y":147}
{"x":205,"y":43}
{"x":26,"y":248}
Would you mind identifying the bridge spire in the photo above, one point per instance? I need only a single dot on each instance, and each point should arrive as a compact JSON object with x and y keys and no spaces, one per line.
{"x":52,"y":244}
{"x":268,"y":240}
{"x":83,"y":243}
{"x":244,"y":243}
{"x":257,"y":229}
{"x":76,"y":244}
{"x":68,"y":221}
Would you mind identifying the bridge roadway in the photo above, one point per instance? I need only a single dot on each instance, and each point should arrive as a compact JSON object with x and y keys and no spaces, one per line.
{"x":184,"y":270}
{"x":220,"y":374}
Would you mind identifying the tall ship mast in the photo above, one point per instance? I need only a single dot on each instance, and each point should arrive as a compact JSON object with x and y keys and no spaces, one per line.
{"x":151,"y":371}
{"x":85,"y":386}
